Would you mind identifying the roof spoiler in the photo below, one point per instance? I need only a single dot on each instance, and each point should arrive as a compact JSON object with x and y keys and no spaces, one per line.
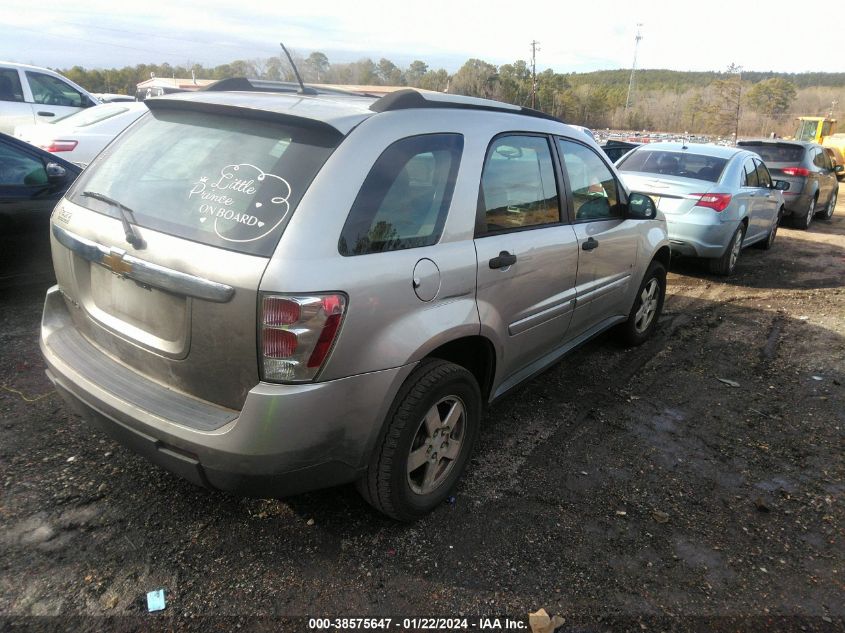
{"x":408,"y":99}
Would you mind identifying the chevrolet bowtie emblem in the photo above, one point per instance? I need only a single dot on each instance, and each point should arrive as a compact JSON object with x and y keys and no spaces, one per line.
{"x":115,"y":263}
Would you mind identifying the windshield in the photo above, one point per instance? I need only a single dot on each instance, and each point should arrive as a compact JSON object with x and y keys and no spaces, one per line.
{"x":807,"y":130}
{"x":667,"y":163}
{"x":226,"y":181}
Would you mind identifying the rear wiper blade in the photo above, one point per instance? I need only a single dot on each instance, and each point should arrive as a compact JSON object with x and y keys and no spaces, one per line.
{"x":131,"y":236}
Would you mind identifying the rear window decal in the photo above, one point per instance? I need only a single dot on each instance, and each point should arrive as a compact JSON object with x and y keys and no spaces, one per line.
{"x":244,"y":202}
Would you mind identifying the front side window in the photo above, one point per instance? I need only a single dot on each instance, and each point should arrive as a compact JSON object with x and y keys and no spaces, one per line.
{"x":518,"y":187}
{"x":20,"y":170}
{"x":225,"y":181}
{"x":595,"y":193}
{"x":763,"y":176}
{"x":818,"y":158}
{"x":10,"y":85}
{"x":51,"y":90}
{"x":750,"y":174}
{"x":405,"y":198}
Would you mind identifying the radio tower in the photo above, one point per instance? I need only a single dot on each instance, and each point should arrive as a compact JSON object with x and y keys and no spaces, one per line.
{"x":633,"y":68}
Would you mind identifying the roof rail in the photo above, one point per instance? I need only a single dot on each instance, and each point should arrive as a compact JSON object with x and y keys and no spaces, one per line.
{"x":244,"y":84}
{"x":408,"y":99}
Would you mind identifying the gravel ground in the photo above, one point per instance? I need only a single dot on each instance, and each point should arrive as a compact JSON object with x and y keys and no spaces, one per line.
{"x":622,"y":489}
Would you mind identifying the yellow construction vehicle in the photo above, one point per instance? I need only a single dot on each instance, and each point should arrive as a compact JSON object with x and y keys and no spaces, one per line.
{"x":822,"y":130}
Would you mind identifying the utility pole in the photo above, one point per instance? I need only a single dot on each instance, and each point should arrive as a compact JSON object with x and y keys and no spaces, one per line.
{"x":738,"y":70}
{"x":633,"y":67}
{"x":534,"y":49}
{"x":833,"y":105}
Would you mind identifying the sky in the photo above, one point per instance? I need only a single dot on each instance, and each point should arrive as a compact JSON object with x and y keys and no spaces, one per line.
{"x":573,"y":37}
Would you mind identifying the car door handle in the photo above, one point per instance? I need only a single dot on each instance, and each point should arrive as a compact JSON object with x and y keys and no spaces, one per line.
{"x":46,"y":114}
{"x":590,"y":244}
{"x":504,"y":260}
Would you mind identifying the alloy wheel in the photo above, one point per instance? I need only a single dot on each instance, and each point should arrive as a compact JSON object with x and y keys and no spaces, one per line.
{"x":831,"y":206}
{"x":811,"y":211}
{"x":437,"y":445}
{"x":736,"y":247}
{"x":649,"y":298}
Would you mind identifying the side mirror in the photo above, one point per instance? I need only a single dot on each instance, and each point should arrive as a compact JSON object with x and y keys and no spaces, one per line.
{"x":839,"y":169}
{"x":641,"y":207}
{"x":55,"y":172}
{"x":781,"y":185}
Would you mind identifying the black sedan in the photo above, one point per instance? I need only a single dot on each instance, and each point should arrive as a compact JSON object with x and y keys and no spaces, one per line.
{"x":31,"y":183}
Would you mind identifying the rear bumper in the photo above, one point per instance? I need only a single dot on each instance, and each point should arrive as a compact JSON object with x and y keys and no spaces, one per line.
{"x":699,"y":239}
{"x":286,"y":439}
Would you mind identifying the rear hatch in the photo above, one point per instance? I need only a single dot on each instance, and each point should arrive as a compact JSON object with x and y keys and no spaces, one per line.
{"x":208,"y":195}
{"x":785,"y":161}
{"x":675,"y":180}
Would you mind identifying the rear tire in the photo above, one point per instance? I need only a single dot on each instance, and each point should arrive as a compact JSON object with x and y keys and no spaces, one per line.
{"x":726,"y":264}
{"x":648,"y":304}
{"x":831,"y":205}
{"x":804,"y":221}
{"x":428,"y":436}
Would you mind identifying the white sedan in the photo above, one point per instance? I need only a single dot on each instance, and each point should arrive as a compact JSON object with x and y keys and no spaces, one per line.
{"x":81,"y":136}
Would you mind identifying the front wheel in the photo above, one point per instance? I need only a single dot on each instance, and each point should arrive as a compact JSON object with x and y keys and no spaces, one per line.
{"x":429,"y":435}
{"x":726,"y":264}
{"x":831,"y":205}
{"x":648,"y":304}
{"x":770,"y":239}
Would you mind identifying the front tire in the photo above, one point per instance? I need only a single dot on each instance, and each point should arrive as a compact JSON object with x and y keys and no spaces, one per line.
{"x":726,"y":264}
{"x":648,"y":304}
{"x":429,"y":435}
{"x":770,"y":239}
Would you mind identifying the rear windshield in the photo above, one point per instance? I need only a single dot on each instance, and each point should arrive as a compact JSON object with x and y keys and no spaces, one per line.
{"x":771,"y":153}
{"x":683,"y":164}
{"x":225,"y":181}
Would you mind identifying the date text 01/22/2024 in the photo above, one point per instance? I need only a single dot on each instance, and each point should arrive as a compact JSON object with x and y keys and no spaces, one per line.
{"x":418,"y":624}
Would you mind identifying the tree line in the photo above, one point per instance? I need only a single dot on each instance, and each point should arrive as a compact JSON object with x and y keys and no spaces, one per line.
{"x":760,"y":103}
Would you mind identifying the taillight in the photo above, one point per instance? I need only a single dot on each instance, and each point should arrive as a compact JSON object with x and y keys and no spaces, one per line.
{"x":796,"y":171}
{"x":297,"y":334}
{"x":60,"y":146}
{"x":715,"y":201}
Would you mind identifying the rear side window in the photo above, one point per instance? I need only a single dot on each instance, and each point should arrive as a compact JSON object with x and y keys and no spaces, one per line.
{"x":518,"y":187}
{"x":775,"y":153}
{"x":405,"y":198}
{"x":668,"y":163}
{"x":226,"y":181}
{"x":763,"y":175}
{"x":10,"y":85}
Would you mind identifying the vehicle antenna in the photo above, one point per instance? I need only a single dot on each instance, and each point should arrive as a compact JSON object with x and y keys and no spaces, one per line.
{"x":303,"y":90}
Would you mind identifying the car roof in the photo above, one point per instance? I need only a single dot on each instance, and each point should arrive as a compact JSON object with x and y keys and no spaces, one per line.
{"x":717,"y":151}
{"x":342,"y":112}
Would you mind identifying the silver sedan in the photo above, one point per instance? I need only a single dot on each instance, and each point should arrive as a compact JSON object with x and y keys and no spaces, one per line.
{"x":716,"y":200}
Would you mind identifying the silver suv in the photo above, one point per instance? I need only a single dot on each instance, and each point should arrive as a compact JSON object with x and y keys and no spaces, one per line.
{"x":270,"y":293}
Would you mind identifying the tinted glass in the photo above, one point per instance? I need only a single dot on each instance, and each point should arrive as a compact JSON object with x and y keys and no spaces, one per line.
{"x":774,"y":153}
{"x":595,"y":193}
{"x":668,"y":163}
{"x":405,"y":198}
{"x":20,"y":170}
{"x":518,"y":187}
{"x":750,"y":174}
{"x":227,"y":181}
{"x":818,"y":158}
{"x":50,"y":90}
{"x":763,"y":175}
{"x":10,"y":85}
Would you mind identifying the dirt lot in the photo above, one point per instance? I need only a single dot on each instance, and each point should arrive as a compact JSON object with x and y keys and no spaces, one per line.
{"x":622,"y":489}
